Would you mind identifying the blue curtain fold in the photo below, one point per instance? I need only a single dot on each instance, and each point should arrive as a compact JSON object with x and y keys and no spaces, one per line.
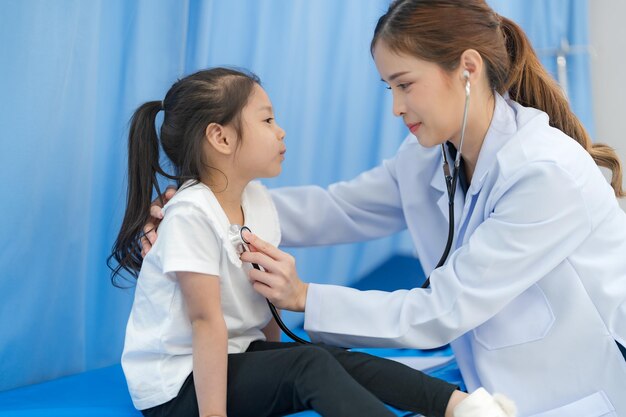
{"x":72,"y":73}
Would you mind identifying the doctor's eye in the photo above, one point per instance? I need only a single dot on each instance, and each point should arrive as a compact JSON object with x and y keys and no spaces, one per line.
{"x":404,"y":86}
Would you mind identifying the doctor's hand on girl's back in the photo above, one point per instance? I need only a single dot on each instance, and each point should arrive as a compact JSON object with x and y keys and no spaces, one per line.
{"x":149,"y":234}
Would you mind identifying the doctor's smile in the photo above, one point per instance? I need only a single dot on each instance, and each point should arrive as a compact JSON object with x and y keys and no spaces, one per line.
{"x":413,"y":127}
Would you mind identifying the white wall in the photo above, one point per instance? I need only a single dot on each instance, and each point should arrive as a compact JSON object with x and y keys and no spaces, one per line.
{"x":607,"y":33}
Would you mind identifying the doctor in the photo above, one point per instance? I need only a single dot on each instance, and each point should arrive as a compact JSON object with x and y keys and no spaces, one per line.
{"x":533,"y":295}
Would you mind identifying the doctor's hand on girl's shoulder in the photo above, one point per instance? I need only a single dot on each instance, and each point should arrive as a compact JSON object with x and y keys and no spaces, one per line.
{"x":279,"y":281}
{"x":149,"y":235}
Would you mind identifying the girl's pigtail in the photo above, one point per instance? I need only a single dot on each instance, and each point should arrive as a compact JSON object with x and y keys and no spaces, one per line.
{"x":143,"y":166}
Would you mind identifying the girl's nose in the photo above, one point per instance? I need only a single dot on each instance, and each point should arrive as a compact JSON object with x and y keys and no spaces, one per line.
{"x":281,"y":133}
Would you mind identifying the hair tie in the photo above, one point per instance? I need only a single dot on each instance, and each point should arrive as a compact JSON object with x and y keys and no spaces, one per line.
{"x":162,"y":105}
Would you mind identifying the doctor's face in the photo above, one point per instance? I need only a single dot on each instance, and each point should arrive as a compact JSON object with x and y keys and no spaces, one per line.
{"x":424,"y":95}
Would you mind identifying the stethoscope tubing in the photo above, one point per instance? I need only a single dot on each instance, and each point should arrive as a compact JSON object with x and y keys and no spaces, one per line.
{"x":271,"y":306}
{"x":446,"y":250}
{"x":451,"y":181}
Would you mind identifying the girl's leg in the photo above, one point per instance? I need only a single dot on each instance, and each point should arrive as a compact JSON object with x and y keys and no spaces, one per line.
{"x":396,"y":384}
{"x":273,"y":382}
{"x":411,"y":390}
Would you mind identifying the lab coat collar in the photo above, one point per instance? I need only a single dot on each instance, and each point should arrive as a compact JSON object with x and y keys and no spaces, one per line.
{"x":437,"y":181}
{"x":503,"y":126}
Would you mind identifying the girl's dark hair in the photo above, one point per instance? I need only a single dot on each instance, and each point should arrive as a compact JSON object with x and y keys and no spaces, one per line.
{"x":217,"y":95}
{"x":439,"y":31}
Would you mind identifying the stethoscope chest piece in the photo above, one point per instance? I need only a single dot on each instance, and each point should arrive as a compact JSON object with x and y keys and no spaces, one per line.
{"x":235,"y":236}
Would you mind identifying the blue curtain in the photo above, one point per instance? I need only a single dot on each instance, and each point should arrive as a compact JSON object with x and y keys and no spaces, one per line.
{"x":72,"y":73}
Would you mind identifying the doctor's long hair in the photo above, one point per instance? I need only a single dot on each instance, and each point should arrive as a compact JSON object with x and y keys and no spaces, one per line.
{"x":439,"y":31}
{"x":217,"y":95}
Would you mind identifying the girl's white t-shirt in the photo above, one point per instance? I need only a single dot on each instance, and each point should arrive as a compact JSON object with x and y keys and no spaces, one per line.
{"x":193,"y":237}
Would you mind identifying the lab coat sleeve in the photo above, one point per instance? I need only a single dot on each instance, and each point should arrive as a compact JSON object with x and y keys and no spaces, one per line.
{"x":538,"y":218}
{"x":364,"y":208}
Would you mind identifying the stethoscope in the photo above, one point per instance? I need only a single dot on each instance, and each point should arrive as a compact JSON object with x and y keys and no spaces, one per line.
{"x":235,"y":234}
{"x":452,"y":179}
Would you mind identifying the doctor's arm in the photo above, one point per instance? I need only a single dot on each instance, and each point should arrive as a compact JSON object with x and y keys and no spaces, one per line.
{"x":364,"y":208}
{"x":538,"y":219}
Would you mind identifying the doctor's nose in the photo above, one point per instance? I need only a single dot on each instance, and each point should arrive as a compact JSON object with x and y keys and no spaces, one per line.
{"x":398,"y":106}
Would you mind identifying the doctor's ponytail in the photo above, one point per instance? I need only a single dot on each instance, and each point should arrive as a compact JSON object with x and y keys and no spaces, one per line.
{"x":531,"y":85}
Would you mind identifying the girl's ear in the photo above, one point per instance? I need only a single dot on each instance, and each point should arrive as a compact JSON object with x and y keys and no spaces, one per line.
{"x":220,"y":138}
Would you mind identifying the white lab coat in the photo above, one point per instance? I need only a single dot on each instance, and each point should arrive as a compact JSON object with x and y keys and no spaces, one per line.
{"x":532,"y":298}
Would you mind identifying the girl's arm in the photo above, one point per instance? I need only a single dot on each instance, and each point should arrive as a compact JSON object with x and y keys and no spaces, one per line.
{"x":210,"y":341}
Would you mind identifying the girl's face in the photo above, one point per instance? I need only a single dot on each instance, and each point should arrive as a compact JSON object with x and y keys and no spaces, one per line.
{"x":262,"y":150}
{"x":424,"y":95}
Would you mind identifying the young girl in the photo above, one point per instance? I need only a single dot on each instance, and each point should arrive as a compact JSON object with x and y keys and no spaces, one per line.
{"x":196,"y":336}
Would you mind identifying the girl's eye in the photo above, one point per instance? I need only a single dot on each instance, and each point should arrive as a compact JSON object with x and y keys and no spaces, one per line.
{"x":270,"y":120}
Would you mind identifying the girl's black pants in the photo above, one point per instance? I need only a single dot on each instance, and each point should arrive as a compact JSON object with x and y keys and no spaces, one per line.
{"x":275,"y":379}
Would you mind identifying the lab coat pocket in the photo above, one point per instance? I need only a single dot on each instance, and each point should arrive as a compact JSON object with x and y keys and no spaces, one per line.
{"x":594,"y":405}
{"x":527,"y":318}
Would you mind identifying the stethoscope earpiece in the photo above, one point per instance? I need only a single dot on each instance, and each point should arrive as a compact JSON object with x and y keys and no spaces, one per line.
{"x":466,"y":75}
